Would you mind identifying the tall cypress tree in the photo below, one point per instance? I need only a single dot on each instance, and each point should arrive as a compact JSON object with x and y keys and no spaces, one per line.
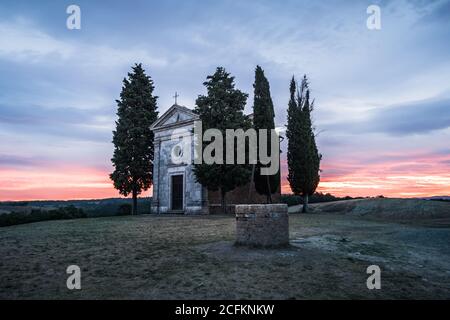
{"x":292,"y":134}
{"x":222,"y":108}
{"x":303,"y":155}
{"x":263,"y":118}
{"x":133,"y":139}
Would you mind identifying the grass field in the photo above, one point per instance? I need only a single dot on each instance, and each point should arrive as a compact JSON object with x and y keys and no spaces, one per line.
{"x":177,"y":257}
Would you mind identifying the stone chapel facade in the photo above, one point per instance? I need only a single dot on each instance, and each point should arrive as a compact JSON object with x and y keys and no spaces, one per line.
{"x":174,"y":187}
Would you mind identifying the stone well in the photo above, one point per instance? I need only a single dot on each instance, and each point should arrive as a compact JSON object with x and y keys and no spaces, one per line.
{"x":262,"y":225}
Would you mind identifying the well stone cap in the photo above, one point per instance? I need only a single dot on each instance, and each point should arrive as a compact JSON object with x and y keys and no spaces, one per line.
{"x":261,"y":208}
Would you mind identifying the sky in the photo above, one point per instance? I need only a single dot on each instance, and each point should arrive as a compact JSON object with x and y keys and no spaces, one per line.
{"x":382,"y":97}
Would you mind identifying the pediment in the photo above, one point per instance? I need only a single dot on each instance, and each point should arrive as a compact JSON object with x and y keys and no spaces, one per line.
{"x":175,"y":115}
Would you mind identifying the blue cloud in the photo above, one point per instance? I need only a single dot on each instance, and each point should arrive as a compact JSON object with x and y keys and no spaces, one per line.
{"x":417,"y":117}
{"x":16,"y":161}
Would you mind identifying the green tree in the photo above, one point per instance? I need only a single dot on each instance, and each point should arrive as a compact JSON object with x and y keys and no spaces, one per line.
{"x":133,"y":139}
{"x":303,"y":156}
{"x":263,"y":118}
{"x":222,"y":108}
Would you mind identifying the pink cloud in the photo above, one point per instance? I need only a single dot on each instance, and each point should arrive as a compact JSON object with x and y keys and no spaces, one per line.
{"x":398,"y":176}
{"x":62,"y":183}
{"x":402,"y":176}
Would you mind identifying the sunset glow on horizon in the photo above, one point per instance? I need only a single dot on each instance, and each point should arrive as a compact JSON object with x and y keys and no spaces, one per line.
{"x":78,"y":183}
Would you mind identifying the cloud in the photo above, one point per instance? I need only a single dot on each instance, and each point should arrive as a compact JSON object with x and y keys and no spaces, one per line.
{"x":23,"y":42}
{"x":416,"y":117}
{"x":16,"y":161}
{"x":20,"y":41}
{"x":58,"y":122}
{"x":67,"y":182}
{"x":420,"y":174}
{"x":439,"y":13}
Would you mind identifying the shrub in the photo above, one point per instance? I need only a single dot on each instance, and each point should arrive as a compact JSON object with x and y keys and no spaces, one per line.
{"x":292,"y":200}
{"x":69,"y":212}
{"x":124,"y":209}
{"x":15,"y":203}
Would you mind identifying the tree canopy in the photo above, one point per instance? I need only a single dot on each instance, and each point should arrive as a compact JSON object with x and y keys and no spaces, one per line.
{"x":264,"y":118}
{"x":222,"y":108}
{"x":133,"y":139}
{"x":303,"y":156}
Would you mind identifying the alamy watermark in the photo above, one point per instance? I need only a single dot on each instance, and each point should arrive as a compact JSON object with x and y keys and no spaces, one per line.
{"x":73,"y":21}
{"x":374,"y":280}
{"x":241,"y":147}
{"x":74,"y":280}
{"x":374,"y":20}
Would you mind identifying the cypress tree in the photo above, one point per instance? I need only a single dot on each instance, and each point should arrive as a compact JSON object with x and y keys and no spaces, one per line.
{"x":222,"y":108}
{"x":292,"y":134}
{"x":133,"y":139}
{"x":263,"y":118}
{"x":303,"y":155}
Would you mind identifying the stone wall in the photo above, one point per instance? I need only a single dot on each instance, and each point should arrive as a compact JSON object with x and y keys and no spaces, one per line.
{"x":261,"y":225}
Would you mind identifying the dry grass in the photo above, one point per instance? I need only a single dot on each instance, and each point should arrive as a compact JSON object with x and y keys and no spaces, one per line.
{"x":178,"y":257}
{"x":411,"y":211}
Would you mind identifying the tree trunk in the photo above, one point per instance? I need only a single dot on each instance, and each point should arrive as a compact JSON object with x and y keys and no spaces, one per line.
{"x":224,"y":202}
{"x":134,"y":207}
{"x":269,"y":196}
{"x":251,"y":184}
{"x":305,"y":203}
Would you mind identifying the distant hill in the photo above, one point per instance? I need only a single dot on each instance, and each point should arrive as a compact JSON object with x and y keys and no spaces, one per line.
{"x":318,"y":197}
{"x":93,"y":208}
{"x":405,"y":210}
{"x":437,"y":198}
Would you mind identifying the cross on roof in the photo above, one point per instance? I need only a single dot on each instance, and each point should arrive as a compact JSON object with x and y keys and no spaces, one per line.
{"x":176,"y":96}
